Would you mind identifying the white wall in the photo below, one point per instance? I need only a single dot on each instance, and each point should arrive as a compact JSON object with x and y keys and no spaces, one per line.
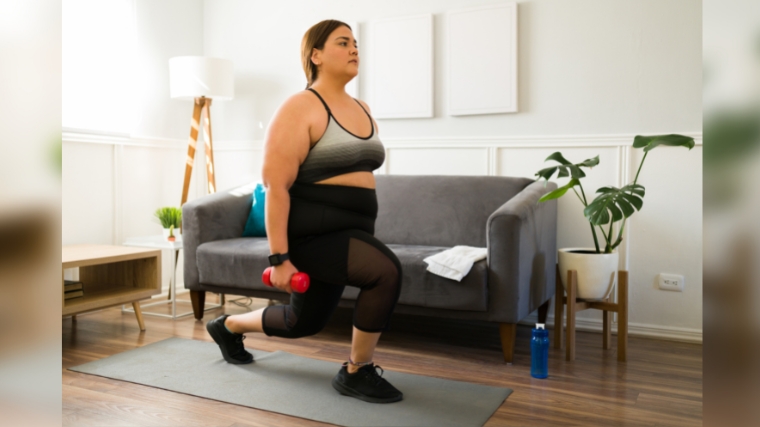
{"x":165,"y":29}
{"x":113,"y":184}
{"x":585,"y":66}
{"x":592,"y":74}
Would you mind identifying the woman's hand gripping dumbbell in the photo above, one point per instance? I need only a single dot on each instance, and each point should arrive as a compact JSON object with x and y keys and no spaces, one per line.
{"x":299,"y":282}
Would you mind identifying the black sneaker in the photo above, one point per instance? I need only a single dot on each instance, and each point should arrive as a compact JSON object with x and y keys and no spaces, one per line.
{"x":231,"y":343}
{"x":366,"y":384}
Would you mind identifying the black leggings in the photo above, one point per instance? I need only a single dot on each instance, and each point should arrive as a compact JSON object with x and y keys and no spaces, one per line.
{"x":331,"y":238}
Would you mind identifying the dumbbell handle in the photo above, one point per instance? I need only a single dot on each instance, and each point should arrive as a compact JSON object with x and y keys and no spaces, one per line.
{"x":299,"y":282}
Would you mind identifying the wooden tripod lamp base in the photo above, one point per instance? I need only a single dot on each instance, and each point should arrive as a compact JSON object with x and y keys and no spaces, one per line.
{"x":201,"y":112}
{"x":200,"y":78}
{"x":575,"y":305}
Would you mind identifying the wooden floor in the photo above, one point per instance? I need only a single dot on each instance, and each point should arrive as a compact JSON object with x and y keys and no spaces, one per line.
{"x":661,"y":384}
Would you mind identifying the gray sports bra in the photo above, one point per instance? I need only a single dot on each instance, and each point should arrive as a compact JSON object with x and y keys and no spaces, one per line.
{"x":339,"y":151}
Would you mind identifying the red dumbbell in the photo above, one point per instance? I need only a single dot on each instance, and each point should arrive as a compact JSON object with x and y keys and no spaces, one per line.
{"x":299,"y":282}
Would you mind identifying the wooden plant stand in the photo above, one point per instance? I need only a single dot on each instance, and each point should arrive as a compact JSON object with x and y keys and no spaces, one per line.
{"x":575,"y":305}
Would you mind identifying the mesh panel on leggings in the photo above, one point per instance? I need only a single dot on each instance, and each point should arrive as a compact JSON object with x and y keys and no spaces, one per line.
{"x":280,"y":317}
{"x":378,"y":278}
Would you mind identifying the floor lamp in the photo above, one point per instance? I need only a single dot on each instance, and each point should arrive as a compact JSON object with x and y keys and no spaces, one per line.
{"x":201,"y":79}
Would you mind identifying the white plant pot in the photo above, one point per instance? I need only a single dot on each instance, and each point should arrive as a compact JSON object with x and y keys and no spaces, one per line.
{"x":176,"y":233}
{"x":597,"y":273}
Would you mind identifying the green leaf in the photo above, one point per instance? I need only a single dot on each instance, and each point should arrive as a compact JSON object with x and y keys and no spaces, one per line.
{"x":576,"y":172}
{"x":652,"y":141}
{"x":614,"y":204}
{"x":625,"y":206}
{"x":606,"y":189}
{"x":546,"y":173}
{"x":590,"y":162}
{"x":635,"y":201}
{"x":557,"y":156}
{"x":556,"y":194}
{"x":566,"y":168}
{"x":637,"y":189}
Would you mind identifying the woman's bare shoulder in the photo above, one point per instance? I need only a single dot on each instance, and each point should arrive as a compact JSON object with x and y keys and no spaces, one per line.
{"x":366,"y":107}
{"x":364,"y":104}
{"x":296,"y":109}
{"x":299,"y":101}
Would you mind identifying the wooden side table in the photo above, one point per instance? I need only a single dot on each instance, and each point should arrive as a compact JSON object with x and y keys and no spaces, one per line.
{"x":575,"y":305}
{"x":111,"y":276}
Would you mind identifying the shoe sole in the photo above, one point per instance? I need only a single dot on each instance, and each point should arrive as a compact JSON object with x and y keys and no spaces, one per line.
{"x":218,"y":340}
{"x":342,"y":389}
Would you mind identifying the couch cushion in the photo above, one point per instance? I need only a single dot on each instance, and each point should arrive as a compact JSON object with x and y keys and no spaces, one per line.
{"x":239,"y":263}
{"x":421,"y":288}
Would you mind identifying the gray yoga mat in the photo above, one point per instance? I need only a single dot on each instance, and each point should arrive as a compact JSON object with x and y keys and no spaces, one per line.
{"x":298,"y":386}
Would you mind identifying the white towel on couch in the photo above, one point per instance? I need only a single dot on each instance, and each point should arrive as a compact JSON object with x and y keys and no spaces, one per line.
{"x":456,"y":262}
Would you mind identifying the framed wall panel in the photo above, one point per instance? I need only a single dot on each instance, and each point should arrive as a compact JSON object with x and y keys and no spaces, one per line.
{"x":482,"y":59}
{"x":401,"y":67}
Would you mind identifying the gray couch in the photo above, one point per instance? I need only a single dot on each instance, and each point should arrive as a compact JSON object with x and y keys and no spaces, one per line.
{"x":418,"y":215}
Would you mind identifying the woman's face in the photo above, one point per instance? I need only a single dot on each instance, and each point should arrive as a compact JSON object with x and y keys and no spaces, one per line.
{"x":340,"y":54}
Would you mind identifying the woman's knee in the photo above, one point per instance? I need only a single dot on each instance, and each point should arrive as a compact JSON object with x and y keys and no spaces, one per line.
{"x":298,"y":327}
{"x":370,"y":265}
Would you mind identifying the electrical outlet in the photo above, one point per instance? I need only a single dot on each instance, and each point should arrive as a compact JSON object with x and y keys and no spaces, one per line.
{"x":670,"y":282}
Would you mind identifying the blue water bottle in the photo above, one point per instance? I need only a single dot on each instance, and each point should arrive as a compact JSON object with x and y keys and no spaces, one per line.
{"x":539,"y":352}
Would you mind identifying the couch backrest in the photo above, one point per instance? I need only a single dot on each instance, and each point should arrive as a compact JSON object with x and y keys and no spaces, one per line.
{"x":440,"y":210}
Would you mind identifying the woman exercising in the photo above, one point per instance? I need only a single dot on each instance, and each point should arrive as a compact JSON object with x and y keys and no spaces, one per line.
{"x":321,"y":206}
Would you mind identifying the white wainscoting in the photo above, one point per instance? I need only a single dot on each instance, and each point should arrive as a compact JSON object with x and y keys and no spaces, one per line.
{"x":635,"y":329}
{"x":113,"y":183}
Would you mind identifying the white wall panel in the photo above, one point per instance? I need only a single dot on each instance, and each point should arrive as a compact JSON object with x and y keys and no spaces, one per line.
{"x":237,"y":167}
{"x":445,"y":161}
{"x":401,"y":66}
{"x":482,"y":59}
{"x":149,"y":176}
{"x":87,"y":193}
{"x":666,"y":237}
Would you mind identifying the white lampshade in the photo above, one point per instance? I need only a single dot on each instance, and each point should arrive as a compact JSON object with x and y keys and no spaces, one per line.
{"x":191,"y":77}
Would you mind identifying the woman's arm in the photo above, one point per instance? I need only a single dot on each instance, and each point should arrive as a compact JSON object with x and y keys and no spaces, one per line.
{"x":286,"y":146}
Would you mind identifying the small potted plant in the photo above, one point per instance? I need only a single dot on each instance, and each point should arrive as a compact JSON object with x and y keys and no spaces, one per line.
{"x":597,"y":267}
{"x":170,"y":218}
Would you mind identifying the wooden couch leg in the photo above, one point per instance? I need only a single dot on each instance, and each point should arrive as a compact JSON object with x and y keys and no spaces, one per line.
{"x":508,"y":332}
{"x":198,"y":299}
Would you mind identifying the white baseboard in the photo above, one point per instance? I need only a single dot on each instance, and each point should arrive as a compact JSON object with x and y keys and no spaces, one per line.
{"x":634,"y":329}
{"x":669,"y":333}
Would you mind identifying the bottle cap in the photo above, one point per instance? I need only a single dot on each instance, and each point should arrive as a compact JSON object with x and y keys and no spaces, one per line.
{"x":540,"y":326}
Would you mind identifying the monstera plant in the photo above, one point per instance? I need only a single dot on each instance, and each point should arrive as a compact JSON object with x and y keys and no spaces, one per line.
{"x":611,"y":205}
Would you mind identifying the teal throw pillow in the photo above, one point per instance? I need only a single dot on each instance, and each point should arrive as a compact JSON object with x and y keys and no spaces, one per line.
{"x":256,"y":226}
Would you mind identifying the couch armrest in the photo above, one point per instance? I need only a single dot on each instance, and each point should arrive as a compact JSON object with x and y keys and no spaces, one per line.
{"x":521,"y":236}
{"x":217,"y":216}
